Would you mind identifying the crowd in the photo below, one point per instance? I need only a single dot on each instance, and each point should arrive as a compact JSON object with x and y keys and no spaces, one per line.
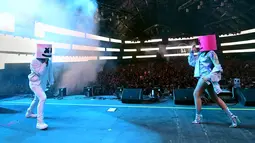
{"x":169,"y":74}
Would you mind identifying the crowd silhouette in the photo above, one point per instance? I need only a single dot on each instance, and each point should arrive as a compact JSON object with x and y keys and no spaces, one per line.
{"x":170,"y":74}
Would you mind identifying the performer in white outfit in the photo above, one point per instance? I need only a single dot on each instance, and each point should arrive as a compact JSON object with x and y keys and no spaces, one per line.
{"x":208,"y":72}
{"x":41,"y":75}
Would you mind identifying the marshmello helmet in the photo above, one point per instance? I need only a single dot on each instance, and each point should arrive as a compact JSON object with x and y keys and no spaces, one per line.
{"x":44,"y":51}
{"x":207,"y":43}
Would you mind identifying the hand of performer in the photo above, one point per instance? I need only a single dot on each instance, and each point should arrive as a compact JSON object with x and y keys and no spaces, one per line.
{"x":194,"y":49}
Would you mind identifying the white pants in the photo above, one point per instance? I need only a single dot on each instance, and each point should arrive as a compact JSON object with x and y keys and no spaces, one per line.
{"x":39,"y":98}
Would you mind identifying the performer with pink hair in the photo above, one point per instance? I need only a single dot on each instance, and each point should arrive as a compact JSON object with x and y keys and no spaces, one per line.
{"x":41,"y":75}
{"x":208,"y":71}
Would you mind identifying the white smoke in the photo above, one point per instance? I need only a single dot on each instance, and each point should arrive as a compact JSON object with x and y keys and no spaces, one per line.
{"x":162,"y":48}
{"x":76,"y":76}
{"x":75,"y":15}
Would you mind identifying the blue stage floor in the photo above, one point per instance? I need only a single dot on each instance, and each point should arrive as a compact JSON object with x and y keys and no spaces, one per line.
{"x":78,"y":120}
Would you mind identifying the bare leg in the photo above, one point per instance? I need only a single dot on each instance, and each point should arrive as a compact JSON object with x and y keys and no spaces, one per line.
{"x":215,"y":98}
{"x":200,"y":88}
{"x":223,"y":106}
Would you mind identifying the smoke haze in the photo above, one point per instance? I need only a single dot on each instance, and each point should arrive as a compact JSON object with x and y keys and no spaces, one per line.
{"x":75,"y":15}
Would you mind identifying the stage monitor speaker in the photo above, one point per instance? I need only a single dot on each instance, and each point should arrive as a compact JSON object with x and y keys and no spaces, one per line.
{"x":88,"y":91}
{"x":132,"y":95}
{"x":227,"y":96}
{"x":245,"y":96}
{"x":183,"y":96}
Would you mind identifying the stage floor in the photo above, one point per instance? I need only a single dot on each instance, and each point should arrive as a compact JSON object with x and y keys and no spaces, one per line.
{"x":78,"y":120}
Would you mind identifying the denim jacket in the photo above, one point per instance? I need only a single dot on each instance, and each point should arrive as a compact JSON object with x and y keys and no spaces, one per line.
{"x":207,"y":64}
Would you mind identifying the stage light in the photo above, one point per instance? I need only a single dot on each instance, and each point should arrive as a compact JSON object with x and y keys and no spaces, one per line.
{"x":112,"y":50}
{"x":108,"y":58}
{"x":239,"y":51}
{"x":146,"y":56}
{"x":180,"y":47}
{"x":130,"y":50}
{"x":58,"y":30}
{"x":95,"y":37}
{"x":237,"y":34}
{"x":127,"y":57}
{"x":87,"y":48}
{"x":238,"y":43}
{"x":222,"y":44}
{"x":182,"y":39}
{"x":61,"y":46}
{"x":132,"y":42}
{"x":115,"y":40}
{"x":149,"y":49}
{"x":153,"y":41}
{"x":177,"y":55}
{"x":221,"y":36}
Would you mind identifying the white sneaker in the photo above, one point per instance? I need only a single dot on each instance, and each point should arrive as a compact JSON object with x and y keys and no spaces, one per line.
{"x":30,"y":115}
{"x":41,"y":126}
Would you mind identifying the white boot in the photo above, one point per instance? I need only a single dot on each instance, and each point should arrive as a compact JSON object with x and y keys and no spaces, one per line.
{"x":40,"y":124}
{"x":30,"y":114}
{"x":235,"y":120}
{"x":198,"y":119}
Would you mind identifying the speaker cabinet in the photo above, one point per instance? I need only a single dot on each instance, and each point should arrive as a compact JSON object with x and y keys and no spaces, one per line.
{"x":245,"y":96}
{"x":183,"y":96}
{"x":130,"y":95}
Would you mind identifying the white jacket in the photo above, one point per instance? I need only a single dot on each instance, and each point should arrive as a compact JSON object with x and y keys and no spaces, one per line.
{"x":207,"y":64}
{"x":41,"y":74}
